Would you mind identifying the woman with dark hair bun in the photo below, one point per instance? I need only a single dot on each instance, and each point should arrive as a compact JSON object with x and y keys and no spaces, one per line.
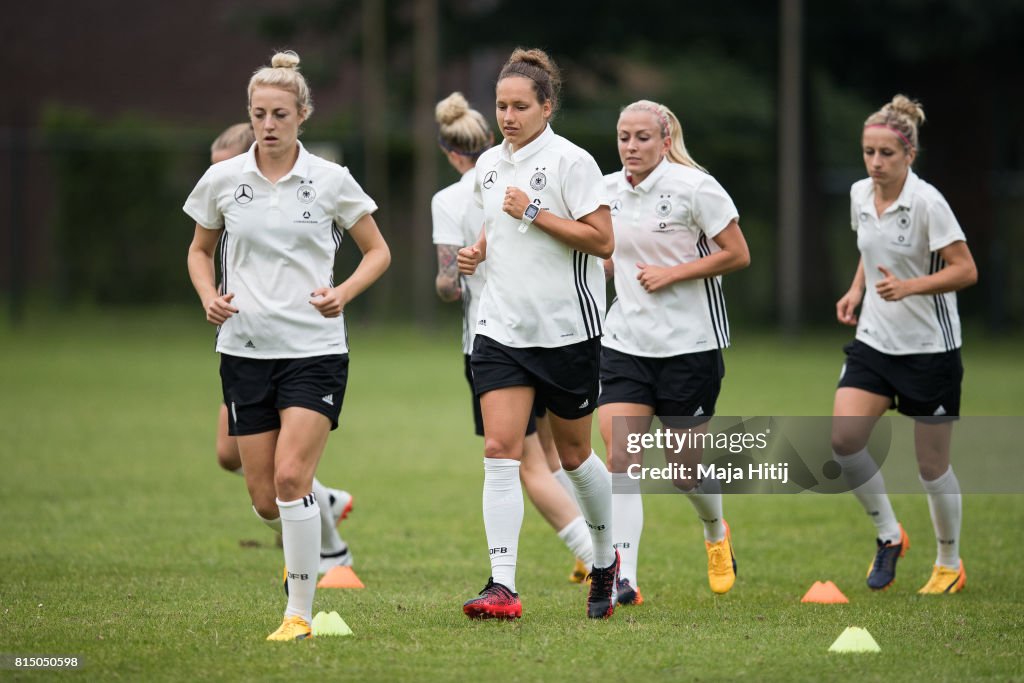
{"x":538,"y":329}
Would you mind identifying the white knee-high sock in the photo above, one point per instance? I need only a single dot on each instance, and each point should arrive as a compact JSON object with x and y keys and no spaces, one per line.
{"x":576,"y":536}
{"x":330,"y":540}
{"x":274,"y":524}
{"x":707,"y":502}
{"x":945,"y":504}
{"x":593,"y":487}
{"x":866,"y":481}
{"x":300,"y":535}
{"x":627,"y":523}
{"x":503,"y":517}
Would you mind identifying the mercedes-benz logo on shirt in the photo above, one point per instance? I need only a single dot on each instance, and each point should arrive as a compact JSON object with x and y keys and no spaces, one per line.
{"x":243,"y":194}
{"x":490,"y":179}
{"x":616,"y":206}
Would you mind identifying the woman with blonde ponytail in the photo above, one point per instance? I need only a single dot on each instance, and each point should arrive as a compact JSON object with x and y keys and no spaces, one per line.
{"x":676,"y":234}
{"x":906,"y":352}
{"x":282,"y":339}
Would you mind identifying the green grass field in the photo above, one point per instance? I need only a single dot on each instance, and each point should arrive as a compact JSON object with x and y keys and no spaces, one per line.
{"x":122,"y":539}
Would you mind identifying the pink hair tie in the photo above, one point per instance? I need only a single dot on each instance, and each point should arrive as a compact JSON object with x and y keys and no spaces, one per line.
{"x":882,"y":125}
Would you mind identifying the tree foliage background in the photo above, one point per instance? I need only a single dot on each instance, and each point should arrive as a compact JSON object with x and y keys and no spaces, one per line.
{"x":715,"y":64}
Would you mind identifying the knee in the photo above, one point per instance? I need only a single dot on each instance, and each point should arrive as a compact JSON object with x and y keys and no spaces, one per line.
{"x":227,"y":453}
{"x":228,"y":459}
{"x":498,"y":447}
{"x":620,"y":462}
{"x":266,"y":507}
{"x":846,"y":443}
{"x":931,"y":471}
{"x":573,"y":455}
{"x":290,"y":484}
{"x":684,"y":485}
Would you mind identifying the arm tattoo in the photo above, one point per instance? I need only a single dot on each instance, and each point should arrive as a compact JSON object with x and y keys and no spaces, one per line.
{"x":447,"y":282}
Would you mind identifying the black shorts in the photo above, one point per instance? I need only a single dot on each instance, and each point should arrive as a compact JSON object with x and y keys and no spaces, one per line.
{"x":919,"y":384}
{"x":257,"y":389}
{"x":478,"y":417}
{"x":565,"y":378}
{"x":683,"y":385}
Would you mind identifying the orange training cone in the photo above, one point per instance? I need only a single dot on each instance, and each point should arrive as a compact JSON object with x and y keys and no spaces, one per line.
{"x":340,"y":577}
{"x":827,"y":593}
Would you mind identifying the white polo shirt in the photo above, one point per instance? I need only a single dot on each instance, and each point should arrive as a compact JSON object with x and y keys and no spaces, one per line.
{"x":458,"y":221}
{"x":669,"y":218}
{"x":905,"y":240}
{"x":540,"y":292}
{"x":280,"y":240}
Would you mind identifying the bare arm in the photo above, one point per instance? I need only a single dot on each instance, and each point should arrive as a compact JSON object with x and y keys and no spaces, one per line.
{"x":959,"y":272}
{"x":331,"y":301}
{"x":846,"y":307}
{"x":447,"y":281}
{"x":200,"y":269}
{"x":734,"y":255}
{"x":592,"y":234}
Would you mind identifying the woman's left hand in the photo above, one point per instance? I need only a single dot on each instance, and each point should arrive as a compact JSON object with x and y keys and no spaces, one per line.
{"x":653,"y":278}
{"x":515,"y":202}
{"x":329,"y":301}
{"x":890,"y":287}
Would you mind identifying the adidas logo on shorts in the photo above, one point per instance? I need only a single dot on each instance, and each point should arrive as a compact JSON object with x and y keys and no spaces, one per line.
{"x":328,"y":399}
{"x":250,"y":345}
{"x":586,"y":402}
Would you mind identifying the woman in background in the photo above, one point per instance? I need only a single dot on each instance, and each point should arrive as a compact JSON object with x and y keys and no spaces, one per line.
{"x":906,"y":352}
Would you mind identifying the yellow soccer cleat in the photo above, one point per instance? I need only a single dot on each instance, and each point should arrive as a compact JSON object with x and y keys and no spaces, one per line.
{"x":579,"y":572}
{"x":292,"y":628}
{"x":721,"y":563}
{"x":945,"y":580}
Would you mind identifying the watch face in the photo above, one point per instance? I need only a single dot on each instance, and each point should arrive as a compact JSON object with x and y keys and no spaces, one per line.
{"x":531,"y":211}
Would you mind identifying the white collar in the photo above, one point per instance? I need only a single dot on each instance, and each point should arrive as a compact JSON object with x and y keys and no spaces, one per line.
{"x":522,"y":153}
{"x":647,"y":183}
{"x":300,"y":169}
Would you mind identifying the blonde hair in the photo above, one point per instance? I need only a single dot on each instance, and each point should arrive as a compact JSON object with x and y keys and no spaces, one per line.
{"x":536,"y":65}
{"x":283,"y":73}
{"x":237,"y":137}
{"x":463,"y":130}
{"x":670,"y":128}
{"x":902,"y":116}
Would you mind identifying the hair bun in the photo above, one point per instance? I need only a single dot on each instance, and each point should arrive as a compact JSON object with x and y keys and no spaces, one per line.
{"x":451,"y":109}
{"x":901,"y":104}
{"x":287,"y":59}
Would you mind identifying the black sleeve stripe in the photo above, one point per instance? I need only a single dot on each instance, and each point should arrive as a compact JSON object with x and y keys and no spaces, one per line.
{"x":223,"y":246}
{"x":942,"y":306}
{"x":588,"y":305}
{"x":716,"y":299}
